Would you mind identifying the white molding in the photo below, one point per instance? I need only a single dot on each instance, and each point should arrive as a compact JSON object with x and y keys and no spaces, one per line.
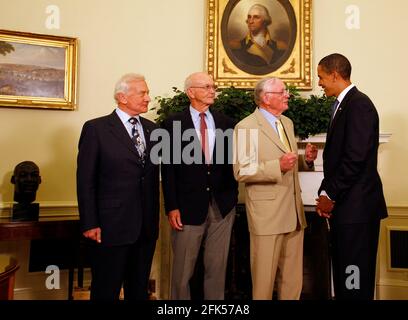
{"x":318,"y":138}
{"x":47,"y":208}
{"x":393,"y":282}
{"x":321,"y":138}
{"x":385,"y":137}
{"x":398,"y":212}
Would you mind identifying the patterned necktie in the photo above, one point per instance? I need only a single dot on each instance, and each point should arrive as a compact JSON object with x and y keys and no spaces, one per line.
{"x":204,"y":137}
{"x":282,"y":135}
{"x":137,"y":139}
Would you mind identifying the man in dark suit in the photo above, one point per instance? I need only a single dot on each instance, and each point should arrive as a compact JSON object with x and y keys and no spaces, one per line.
{"x":118,"y":194}
{"x":351,"y":193}
{"x":200,"y":192}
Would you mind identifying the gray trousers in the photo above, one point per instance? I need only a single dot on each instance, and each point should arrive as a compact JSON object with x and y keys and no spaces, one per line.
{"x":215,"y":235}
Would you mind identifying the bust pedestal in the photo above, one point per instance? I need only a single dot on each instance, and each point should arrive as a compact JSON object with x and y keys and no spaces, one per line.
{"x":25,"y":212}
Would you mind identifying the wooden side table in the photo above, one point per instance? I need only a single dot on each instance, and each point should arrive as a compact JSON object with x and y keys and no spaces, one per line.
{"x":8,"y":269}
{"x":58,"y":227}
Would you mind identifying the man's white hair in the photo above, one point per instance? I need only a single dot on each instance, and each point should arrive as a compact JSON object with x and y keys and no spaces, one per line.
{"x":260,"y":86}
{"x":264,"y":13}
{"x":190,"y":80}
{"x":122,"y":86}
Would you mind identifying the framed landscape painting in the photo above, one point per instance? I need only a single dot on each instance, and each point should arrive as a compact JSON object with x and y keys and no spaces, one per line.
{"x":37,"y":71}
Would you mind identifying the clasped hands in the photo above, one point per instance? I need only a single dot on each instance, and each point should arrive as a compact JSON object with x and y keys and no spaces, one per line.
{"x":289,"y":160}
{"x":324,"y":206}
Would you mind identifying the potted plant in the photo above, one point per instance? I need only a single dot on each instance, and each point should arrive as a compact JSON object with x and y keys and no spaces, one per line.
{"x":310,"y":116}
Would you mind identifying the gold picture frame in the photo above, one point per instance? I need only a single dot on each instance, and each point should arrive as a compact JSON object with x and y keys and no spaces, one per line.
{"x":233,"y":60}
{"x":37,"y":70}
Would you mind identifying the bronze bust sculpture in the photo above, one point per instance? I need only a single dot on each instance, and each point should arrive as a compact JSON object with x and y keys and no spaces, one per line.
{"x":26,"y":179}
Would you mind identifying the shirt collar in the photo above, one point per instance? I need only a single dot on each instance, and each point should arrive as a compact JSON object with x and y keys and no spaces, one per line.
{"x":248,"y":38}
{"x":269,"y":117}
{"x":195,"y":114}
{"x":123,"y":116}
{"x":344,"y":92}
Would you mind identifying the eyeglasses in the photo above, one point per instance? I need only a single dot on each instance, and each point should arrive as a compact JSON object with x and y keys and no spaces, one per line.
{"x":207,"y":87}
{"x":286,"y":91}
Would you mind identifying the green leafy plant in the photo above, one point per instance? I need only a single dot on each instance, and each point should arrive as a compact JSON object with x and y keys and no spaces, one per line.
{"x":310,"y":116}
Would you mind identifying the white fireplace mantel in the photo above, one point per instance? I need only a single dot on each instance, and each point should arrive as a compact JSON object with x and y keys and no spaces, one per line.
{"x":321,"y":138}
{"x":310,"y":181}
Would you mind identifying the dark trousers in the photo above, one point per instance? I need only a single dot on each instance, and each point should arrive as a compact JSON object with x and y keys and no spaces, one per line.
{"x":127,"y":265}
{"x":354,"y":255}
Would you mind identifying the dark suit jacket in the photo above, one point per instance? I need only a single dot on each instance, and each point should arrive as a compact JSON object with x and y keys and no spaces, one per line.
{"x":189,"y":187}
{"x":115,"y":192}
{"x":350,"y":162}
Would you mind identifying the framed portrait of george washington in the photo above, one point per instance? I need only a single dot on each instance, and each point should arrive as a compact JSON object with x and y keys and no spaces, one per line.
{"x":251,"y":39}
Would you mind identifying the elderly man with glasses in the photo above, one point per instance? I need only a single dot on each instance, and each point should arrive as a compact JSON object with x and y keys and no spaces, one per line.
{"x":267,"y":162}
{"x":199,"y":189}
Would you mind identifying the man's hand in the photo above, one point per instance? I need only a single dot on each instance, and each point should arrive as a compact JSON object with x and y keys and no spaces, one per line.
{"x":324,"y":206}
{"x":93,"y":234}
{"x":175,"y":220}
{"x":310,"y":152}
{"x":288,"y":161}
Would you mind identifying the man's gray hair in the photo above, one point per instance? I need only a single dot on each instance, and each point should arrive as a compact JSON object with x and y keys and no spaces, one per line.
{"x":259,"y":87}
{"x":189,"y":82}
{"x":264,"y":13}
{"x":122,"y":86}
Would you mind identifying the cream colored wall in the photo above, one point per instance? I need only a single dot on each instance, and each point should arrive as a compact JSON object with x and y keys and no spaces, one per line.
{"x":378,"y":54}
{"x":165,"y":40}
{"x":161,"y":39}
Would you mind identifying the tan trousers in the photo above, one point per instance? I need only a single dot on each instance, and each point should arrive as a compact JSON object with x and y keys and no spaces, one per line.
{"x":277,"y":258}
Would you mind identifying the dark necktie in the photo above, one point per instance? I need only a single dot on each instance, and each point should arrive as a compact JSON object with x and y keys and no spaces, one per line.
{"x":333,"y":110}
{"x":137,"y":139}
{"x":204,"y":137}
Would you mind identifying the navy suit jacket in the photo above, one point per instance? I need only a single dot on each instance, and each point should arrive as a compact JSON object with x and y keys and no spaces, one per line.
{"x":115,"y":191}
{"x":189,"y":187}
{"x":350,"y":162}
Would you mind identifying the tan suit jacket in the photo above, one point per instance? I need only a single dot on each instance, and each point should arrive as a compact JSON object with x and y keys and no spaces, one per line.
{"x":273,"y":200}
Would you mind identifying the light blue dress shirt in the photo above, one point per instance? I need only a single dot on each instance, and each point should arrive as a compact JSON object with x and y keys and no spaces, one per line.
{"x":124,"y":117}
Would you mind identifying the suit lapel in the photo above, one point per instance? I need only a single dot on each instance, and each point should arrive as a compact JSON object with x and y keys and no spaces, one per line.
{"x":342,"y":107}
{"x":187,"y":124}
{"x":187,"y":121}
{"x":218,"y":125}
{"x":146,"y":132}
{"x":267,"y":130}
{"x":119,"y":131}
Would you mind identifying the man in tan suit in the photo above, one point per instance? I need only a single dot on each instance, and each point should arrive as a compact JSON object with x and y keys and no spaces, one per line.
{"x":266,"y":160}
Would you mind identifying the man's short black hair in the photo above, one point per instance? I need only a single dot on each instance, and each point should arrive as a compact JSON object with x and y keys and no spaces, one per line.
{"x":336,"y":62}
